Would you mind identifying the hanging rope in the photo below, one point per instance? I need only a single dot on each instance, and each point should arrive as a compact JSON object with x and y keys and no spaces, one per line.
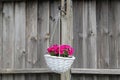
{"x":56,"y":20}
{"x":55,"y":26}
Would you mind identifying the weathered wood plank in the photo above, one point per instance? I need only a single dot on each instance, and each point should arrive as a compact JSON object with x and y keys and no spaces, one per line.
{"x":8,"y":39}
{"x":8,"y":33}
{"x":112,"y":34}
{"x":42,"y":31}
{"x":64,"y":26}
{"x":1,"y":33}
{"x":31,"y":36}
{"x":95,"y":71}
{"x":25,"y":71}
{"x":77,"y":77}
{"x":54,"y":76}
{"x":85,"y":35}
{"x":92,"y":34}
{"x":77,"y":33}
{"x":20,"y":24}
{"x":31,"y":33}
{"x":54,"y":14}
{"x":117,"y":23}
{"x":102,"y":37}
{"x":30,"y":76}
{"x":67,"y":30}
{"x":73,"y":71}
{"x":114,"y":28}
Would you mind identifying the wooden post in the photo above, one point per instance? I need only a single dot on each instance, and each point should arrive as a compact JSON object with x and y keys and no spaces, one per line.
{"x":67,"y":30}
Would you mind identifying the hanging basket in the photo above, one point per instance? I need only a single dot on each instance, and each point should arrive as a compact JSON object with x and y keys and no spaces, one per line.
{"x":59,"y":64}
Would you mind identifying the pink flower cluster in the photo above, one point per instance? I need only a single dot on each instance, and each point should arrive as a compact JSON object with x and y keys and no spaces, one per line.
{"x":60,"y":49}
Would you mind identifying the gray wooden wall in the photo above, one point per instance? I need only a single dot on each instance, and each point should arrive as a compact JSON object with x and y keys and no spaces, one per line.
{"x":97,"y":34}
{"x":25,"y":27}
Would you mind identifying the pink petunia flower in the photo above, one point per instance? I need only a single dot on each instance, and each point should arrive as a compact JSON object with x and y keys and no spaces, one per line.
{"x":61,"y":49}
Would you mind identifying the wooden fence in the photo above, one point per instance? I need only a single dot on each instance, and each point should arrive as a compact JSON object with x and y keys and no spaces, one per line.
{"x":25,"y":27}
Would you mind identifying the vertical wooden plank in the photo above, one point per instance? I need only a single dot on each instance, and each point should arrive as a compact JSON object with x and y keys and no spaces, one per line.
{"x":43,"y":77}
{"x":20,"y":24}
{"x":67,"y":23}
{"x":92,"y":49}
{"x":67,"y":30}
{"x":31,"y":36}
{"x":42,"y":31}
{"x":116,"y":36}
{"x":8,"y":39}
{"x":31,"y":33}
{"x":0,"y":77}
{"x":79,"y":40}
{"x":54,"y":76}
{"x":118,"y":30}
{"x":77,"y":33}
{"x":64,"y":27}
{"x":112,"y":34}
{"x":117,"y":17}
{"x":8,"y":33}
{"x":102,"y":36}
{"x":85,"y":35}
{"x":69,"y":14}
{"x":29,"y":76}
{"x":54,"y":14}
{"x":77,"y":77}
{"x":92,"y":34}
{"x":1,"y":33}
{"x":7,"y":77}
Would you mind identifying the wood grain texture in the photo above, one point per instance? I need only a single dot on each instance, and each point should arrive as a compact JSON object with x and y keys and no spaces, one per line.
{"x":42,"y":30}
{"x":31,"y":34}
{"x":20,"y":35}
{"x":114,"y":40}
{"x":54,"y":13}
{"x":112,"y":33}
{"x":67,"y":30}
{"x":95,"y":71}
{"x":8,"y":33}
{"x":117,"y":23}
{"x":92,"y":35}
{"x":78,"y":71}
{"x":25,"y":71}
{"x":8,"y":39}
{"x":20,"y":24}
{"x":1,"y":33}
{"x":54,"y":76}
{"x":25,"y":31}
{"x":78,"y":34}
{"x":85,"y":35}
{"x":102,"y":36}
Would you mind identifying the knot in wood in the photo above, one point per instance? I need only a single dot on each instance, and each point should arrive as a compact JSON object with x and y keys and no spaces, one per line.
{"x":47,"y":36}
{"x":34,"y":38}
{"x":110,"y":34}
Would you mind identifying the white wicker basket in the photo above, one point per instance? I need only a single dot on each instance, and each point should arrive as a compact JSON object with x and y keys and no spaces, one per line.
{"x":58,"y":64}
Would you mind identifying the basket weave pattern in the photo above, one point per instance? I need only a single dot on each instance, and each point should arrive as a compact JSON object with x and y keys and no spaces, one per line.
{"x":58,"y":64}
